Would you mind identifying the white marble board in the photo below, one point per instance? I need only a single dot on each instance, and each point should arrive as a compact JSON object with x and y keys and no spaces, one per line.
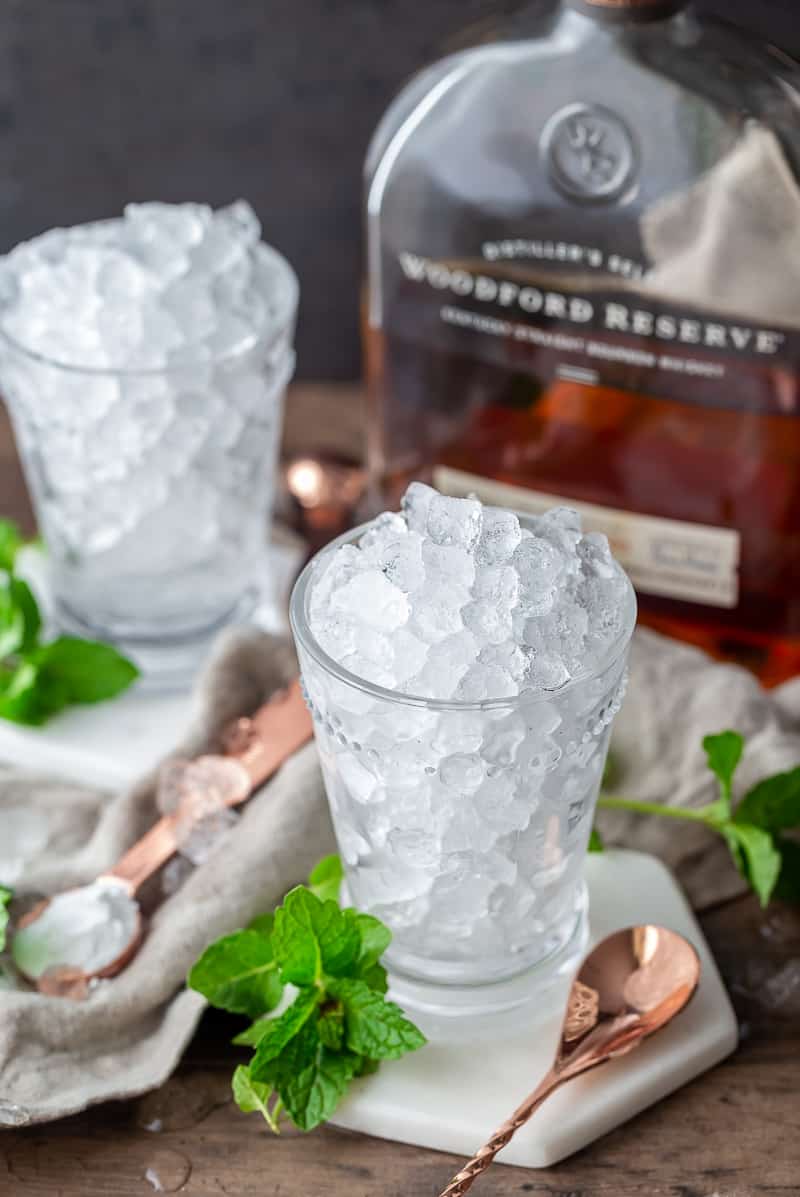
{"x":451,"y":1096}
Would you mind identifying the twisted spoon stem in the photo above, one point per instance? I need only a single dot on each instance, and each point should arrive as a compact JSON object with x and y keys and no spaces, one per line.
{"x":502,"y":1136}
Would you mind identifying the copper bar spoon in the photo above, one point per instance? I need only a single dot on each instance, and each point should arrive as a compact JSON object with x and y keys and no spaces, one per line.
{"x":253,"y":748}
{"x":630,"y":986}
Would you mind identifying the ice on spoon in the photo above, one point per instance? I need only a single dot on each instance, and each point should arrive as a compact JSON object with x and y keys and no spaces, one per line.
{"x":86,"y":929}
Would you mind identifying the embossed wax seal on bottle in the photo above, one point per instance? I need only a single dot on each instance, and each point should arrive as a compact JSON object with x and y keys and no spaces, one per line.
{"x":582,"y":259}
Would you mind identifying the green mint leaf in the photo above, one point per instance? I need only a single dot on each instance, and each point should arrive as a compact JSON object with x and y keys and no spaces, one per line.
{"x":375,"y":977}
{"x":367,"y":1067}
{"x":374,"y":1027}
{"x":275,"y":1033}
{"x":262,"y":923}
{"x":252,"y":1096}
{"x":312,"y":937}
{"x":325,"y":879}
{"x":375,"y":938}
{"x":5,"y":898}
{"x":596,"y":841}
{"x":12,"y":624}
{"x":89,"y":671}
{"x":25,"y":603}
{"x":314,"y":1093}
{"x":788,"y":886}
{"x":724,"y":751}
{"x":239,"y":973}
{"x":331,"y":1025}
{"x":773,"y":804}
{"x":756,"y":857}
{"x":312,"y":1078}
{"x":22,"y":699}
{"x":10,"y":543}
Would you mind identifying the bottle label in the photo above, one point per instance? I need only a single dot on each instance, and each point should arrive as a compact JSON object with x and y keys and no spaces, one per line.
{"x":606,"y":331}
{"x":672,"y":558}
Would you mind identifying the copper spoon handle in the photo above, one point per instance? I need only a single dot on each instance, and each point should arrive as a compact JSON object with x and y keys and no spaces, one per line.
{"x":147,"y":855}
{"x":256,"y":746}
{"x":483,"y":1158}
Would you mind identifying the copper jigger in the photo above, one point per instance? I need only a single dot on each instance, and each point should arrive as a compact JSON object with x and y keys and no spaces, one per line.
{"x":630,"y":986}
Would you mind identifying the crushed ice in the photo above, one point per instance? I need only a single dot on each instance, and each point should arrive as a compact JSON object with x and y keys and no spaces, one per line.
{"x":454,"y":600}
{"x":164,"y":284}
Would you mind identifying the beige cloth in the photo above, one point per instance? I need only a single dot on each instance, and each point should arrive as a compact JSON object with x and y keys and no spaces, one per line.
{"x":676,"y":696}
{"x":57,"y":1057}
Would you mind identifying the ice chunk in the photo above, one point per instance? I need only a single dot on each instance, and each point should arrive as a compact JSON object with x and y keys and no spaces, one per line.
{"x":546,"y":671}
{"x":482,"y":682}
{"x":378,"y":603}
{"x":595,"y":553}
{"x":537,"y":562}
{"x":448,"y":660}
{"x":359,"y":781}
{"x":539,"y":565}
{"x":384,"y":530}
{"x":437,"y":611}
{"x":502,"y":739}
{"x":414,"y":847}
{"x":337,"y":635}
{"x":457,"y":732}
{"x":500,"y":536}
{"x":410,"y":654}
{"x":490,"y":624}
{"x":454,"y":521}
{"x":449,"y":564}
{"x":507,"y":656}
{"x":498,"y":584}
{"x":415,"y":504}
{"x":370,"y":671}
{"x":204,"y":836}
{"x":401,"y":561}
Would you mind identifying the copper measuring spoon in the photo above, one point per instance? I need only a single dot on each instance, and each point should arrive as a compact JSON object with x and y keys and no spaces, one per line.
{"x":252,"y":750}
{"x":630,"y":986}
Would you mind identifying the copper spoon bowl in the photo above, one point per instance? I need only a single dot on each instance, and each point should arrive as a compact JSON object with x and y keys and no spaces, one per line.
{"x":630,"y":986}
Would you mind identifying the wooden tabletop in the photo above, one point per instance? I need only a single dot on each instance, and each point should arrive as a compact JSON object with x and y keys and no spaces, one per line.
{"x":734,"y":1132}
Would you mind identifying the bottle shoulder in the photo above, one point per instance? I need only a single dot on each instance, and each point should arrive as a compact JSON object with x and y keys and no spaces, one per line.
{"x":480,"y":129}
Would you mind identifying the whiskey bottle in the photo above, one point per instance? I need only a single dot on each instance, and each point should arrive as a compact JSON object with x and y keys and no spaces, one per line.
{"x":583,"y":287}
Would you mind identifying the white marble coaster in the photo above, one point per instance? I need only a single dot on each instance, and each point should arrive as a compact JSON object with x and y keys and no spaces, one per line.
{"x":451,"y":1096}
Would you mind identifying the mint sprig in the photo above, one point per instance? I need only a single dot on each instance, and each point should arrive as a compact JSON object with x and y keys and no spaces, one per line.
{"x":768,"y":860}
{"x":38,"y":679}
{"x":338,"y":1025}
{"x":5,"y":898}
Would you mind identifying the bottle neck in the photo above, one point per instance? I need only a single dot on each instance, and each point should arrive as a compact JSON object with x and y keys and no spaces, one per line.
{"x":628,"y":11}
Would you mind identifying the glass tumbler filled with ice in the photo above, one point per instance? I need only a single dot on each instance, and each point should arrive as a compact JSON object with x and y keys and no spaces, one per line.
{"x":463,"y":668}
{"x":144,"y":361}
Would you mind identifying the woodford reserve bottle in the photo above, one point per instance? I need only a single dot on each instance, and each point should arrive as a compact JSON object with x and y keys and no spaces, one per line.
{"x":584,"y":286}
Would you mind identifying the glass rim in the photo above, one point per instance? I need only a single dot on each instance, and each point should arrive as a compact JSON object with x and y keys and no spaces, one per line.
{"x":286,"y":310}
{"x":306,"y":639}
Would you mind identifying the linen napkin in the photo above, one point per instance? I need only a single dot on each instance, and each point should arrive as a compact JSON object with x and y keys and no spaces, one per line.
{"x":59,"y":1056}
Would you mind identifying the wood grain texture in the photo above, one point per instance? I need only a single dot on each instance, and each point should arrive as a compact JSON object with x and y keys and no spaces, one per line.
{"x":734,"y":1132}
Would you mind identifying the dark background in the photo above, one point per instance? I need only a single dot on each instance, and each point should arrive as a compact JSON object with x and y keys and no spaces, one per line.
{"x":103,"y":101}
